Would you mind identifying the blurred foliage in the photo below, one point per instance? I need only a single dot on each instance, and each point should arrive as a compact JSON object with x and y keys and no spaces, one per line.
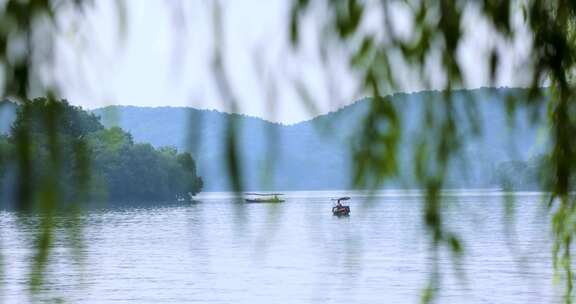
{"x":435,"y":36}
{"x":436,"y":33}
{"x":57,"y":158}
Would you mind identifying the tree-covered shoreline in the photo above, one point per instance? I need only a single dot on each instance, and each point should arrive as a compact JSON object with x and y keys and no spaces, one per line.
{"x":72,"y":155}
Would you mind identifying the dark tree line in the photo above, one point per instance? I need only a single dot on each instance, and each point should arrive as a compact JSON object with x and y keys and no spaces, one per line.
{"x":69,"y":152}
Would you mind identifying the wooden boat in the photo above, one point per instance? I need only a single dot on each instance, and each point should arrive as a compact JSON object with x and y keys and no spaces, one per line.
{"x":339,"y":209}
{"x":264,"y":198}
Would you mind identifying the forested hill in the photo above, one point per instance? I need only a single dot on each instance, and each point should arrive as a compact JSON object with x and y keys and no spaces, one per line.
{"x":316,"y":154}
{"x":66,"y":144}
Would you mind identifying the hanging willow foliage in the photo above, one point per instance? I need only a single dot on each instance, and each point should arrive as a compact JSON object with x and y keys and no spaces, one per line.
{"x":437,"y":33}
{"x":28,"y":29}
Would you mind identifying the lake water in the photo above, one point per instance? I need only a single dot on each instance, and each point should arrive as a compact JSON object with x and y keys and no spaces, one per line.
{"x":220,"y":251}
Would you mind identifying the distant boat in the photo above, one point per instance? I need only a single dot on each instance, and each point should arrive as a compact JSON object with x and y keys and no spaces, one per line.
{"x":263,"y":197}
{"x":339,"y":209}
{"x":183,"y":198}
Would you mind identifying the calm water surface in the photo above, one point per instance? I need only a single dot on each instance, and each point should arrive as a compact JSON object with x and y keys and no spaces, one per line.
{"x":218,"y":251}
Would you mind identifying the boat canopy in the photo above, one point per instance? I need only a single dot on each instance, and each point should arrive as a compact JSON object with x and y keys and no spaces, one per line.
{"x":345,"y":198}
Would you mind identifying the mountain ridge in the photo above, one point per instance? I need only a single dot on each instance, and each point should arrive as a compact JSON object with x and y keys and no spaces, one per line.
{"x":339,"y":109}
{"x":316,"y":154}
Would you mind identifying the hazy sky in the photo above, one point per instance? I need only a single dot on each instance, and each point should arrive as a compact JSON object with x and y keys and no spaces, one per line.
{"x":164,"y":58}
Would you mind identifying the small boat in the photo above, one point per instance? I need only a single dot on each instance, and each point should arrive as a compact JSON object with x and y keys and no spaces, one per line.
{"x":339,"y":209}
{"x":263,"y":197}
{"x":183,"y":198}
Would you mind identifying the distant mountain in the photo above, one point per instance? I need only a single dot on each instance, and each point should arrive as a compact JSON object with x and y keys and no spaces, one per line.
{"x":316,"y":154}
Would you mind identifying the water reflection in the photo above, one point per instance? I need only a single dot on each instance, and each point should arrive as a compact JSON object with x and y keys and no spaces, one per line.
{"x":296,"y":252}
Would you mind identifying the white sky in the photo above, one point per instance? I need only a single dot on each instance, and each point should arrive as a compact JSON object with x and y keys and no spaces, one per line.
{"x":164,"y":59}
